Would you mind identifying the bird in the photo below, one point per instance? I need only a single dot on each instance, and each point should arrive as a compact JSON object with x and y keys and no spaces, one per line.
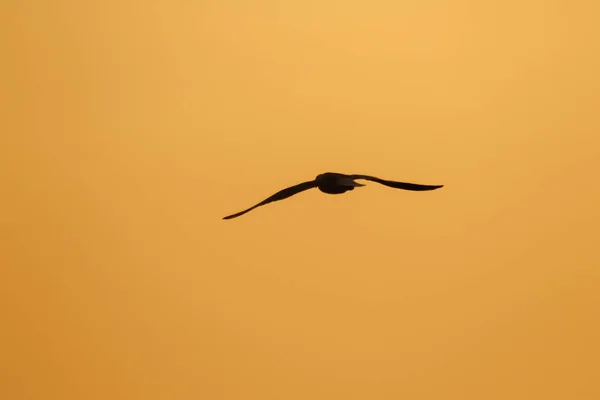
{"x":334,"y":183}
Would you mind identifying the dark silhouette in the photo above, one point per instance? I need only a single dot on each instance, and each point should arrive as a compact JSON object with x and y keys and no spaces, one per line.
{"x":334,"y":183}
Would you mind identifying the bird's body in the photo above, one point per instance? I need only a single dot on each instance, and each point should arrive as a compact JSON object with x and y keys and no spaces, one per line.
{"x":332,"y":183}
{"x":335,"y":183}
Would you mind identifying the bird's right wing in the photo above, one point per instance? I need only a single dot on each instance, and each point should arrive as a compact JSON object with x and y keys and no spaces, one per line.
{"x":398,"y":185}
{"x":282,"y":194}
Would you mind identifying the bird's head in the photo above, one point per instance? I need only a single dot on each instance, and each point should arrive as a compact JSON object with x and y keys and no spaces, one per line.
{"x":327,"y":175}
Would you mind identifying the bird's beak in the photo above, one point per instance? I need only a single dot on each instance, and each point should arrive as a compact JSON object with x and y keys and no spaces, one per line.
{"x":353,"y":183}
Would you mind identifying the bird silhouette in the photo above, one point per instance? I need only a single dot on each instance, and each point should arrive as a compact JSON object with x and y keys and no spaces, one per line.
{"x":334,"y":183}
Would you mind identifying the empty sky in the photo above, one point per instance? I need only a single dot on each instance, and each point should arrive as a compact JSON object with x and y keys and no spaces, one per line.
{"x":132,"y":128}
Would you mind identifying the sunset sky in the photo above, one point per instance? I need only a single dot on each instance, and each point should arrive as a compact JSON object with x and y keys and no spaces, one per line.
{"x":130,"y":128}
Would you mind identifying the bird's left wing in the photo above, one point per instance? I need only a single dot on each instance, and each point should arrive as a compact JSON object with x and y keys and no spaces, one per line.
{"x":398,"y":185}
{"x":282,"y":194}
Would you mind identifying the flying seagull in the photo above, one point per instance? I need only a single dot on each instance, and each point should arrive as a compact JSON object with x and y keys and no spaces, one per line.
{"x":334,"y":183}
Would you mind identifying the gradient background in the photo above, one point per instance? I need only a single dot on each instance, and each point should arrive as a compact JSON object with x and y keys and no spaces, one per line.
{"x":130,"y":128}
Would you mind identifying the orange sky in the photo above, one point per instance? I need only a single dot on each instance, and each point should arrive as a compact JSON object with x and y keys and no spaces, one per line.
{"x":133,"y":127}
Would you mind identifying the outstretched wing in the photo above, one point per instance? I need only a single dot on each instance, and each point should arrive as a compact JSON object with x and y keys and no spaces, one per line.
{"x":398,"y":185}
{"x":282,"y":194}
